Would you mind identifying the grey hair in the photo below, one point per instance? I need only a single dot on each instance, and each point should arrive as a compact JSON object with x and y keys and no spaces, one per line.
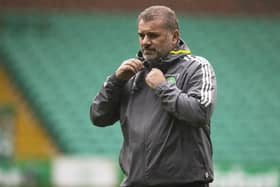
{"x":167,"y":15}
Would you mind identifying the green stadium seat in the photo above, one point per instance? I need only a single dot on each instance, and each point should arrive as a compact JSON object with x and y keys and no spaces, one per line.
{"x":61,"y":68}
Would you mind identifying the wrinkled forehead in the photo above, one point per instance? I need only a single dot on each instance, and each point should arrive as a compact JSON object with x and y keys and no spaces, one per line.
{"x":155,"y":24}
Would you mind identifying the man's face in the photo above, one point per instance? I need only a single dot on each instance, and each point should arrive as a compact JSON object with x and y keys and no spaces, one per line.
{"x":155,"y":40}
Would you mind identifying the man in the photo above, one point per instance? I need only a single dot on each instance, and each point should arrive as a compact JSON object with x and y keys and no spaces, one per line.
{"x":164,"y":99}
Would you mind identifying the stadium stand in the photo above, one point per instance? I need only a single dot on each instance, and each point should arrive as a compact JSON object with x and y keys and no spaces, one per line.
{"x":28,"y":138}
{"x":61,"y":61}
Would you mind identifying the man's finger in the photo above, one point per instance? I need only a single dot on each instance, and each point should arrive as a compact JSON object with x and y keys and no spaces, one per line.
{"x":137,"y":64}
{"x":131,"y":67}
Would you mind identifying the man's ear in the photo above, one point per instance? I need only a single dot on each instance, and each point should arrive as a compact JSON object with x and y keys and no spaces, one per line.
{"x":175,"y":37}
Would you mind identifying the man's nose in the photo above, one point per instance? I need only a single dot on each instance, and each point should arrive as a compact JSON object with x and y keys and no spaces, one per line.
{"x":146,"y":41}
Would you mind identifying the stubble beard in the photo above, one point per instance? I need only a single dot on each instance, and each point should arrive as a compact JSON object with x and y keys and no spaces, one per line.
{"x":150,"y":57}
{"x":157,"y":53}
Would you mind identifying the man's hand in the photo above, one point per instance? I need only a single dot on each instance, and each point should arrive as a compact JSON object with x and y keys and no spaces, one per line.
{"x":154,"y":78}
{"x":129,"y":68}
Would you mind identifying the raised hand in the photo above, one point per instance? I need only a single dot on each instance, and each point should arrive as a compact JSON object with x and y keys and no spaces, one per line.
{"x":154,"y":78}
{"x":129,"y":68}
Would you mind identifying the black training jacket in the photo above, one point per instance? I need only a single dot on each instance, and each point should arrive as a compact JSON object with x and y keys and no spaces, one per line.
{"x":166,"y":131}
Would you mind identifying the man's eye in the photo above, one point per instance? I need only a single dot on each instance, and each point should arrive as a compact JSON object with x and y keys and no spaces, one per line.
{"x":141,"y":35}
{"x":153,"y":35}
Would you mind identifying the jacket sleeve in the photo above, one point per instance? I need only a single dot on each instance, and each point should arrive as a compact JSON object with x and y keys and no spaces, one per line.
{"x":104,"y":110}
{"x":195,"y":102}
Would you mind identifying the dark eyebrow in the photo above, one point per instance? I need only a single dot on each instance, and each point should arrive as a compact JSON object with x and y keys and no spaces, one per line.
{"x":149,"y":33}
{"x":153,"y":33}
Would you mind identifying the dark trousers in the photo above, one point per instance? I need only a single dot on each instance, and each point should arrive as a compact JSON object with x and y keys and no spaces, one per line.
{"x":195,"y":184}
